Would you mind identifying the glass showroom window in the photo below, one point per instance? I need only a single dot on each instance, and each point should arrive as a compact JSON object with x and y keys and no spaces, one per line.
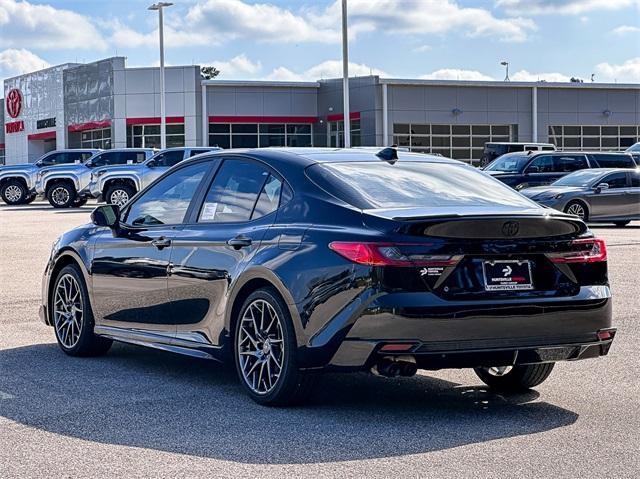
{"x":2,"y":156}
{"x":100,"y":138}
{"x":148,"y":136}
{"x":336,"y":133}
{"x":594,"y":138}
{"x":462,"y":142}
{"x":253,"y":135}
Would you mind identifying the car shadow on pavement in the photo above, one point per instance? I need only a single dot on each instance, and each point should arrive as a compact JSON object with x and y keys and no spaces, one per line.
{"x":82,"y":209}
{"x":150,"y":399}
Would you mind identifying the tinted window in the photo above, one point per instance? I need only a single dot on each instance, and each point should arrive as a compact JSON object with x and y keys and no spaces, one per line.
{"x":541,"y":164}
{"x":169,"y":158}
{"x":571,"y":163}
{"x":130,"y":157}
{"x":85,"y":156}
{"x":167,"y":201}
{"x":509,"y":163}
{"x":269,"y":198}
{"x":197,"y":152}
{"x":615,"y":180}
{"x":234,"y":192}
{"x":635,"y":179}
{"x":412,"y":184}
{"x":614,"y":161}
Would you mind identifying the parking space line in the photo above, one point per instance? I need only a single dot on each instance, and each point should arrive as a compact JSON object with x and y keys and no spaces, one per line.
{"x":4,"y":395}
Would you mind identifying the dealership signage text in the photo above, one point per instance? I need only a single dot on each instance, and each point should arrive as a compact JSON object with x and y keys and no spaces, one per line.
{"x":14,"y":127}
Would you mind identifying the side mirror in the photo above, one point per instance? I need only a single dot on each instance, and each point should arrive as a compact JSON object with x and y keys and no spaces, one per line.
{"x":106,"y":215}
{"x":601,"y":187}
{"x":151,"y":164}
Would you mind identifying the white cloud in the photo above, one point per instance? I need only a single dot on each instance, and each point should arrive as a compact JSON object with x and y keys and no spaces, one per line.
{"x":27,"y":25}
{"x":16,"y":62}
{"x":326,"y":69}
{"x":230,"y":19}
{"x":524,"y":75}
{"x":422,"y":48}
{"x":238,"y":67}
{"x":561,"y":7}
{"x":627,"y":72}
{"x":126,"y":37}
{"x":625,"y":29}
{"x":456,"y":74}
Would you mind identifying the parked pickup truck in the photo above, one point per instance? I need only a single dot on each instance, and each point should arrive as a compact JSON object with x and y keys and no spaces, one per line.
{"x":61,"y":185}
{"x":119,"y":184}
{"x":17,"y":181}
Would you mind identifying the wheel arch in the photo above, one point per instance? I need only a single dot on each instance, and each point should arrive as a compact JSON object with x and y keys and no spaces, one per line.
{"x":64,"y":258}
{"x":21,"y":178}
{"x":51,"y":180}
{"x":125,"y":180}
{"x":251,"y":281}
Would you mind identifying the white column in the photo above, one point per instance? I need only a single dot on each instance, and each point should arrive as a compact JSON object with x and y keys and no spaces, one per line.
{"x":163,"y":121}
{"x":345,"y":76}
{"x":385,"y":117}
{"x":534,"y":114}
{"x":205,"y":117}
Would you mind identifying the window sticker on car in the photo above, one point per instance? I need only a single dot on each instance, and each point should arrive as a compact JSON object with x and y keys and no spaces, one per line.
{"x":209,"y":211}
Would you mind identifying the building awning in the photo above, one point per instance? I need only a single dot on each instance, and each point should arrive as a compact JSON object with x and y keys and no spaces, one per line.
{"x":45,"y":135}
{"x":90,"y":125}
{"x":263,"y":119}
{"x":353,"y":115}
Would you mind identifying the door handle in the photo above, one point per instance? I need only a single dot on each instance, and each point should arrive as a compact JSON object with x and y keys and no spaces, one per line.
{"x":239,"y":241}
{"x":161,"y":242}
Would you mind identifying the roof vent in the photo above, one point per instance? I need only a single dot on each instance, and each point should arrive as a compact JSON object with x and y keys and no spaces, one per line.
{"x":389,"y":154}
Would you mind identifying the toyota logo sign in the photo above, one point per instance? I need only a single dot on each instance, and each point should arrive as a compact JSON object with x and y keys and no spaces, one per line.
{"x":14,"y":102}
{"x":510,"y":228}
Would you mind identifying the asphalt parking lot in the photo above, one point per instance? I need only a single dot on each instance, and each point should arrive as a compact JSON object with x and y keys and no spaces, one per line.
{"x":142,"y":413}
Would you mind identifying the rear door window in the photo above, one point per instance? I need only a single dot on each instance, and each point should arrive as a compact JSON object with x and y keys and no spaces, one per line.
{"x":571,"y":163}
{"x":169,"y":158}
{"x":234,"y":192}
{"x":615,"y":180}
{"x":542,"y":164}
{"x":635,"y":179}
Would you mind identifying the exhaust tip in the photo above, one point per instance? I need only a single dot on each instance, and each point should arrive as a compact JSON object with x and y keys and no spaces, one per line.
{"x":394,"y":366}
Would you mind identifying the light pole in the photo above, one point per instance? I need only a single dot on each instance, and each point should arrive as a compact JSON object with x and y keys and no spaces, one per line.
{"x":345,"y":76}
{"x":506,"y":65}
{"x":163,"y":122}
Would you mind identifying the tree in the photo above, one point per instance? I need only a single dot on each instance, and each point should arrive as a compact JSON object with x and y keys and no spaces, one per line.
{"x":209,"y":72}
{"x":576,"y":80}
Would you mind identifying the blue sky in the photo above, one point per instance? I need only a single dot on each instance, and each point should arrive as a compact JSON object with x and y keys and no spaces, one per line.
{"x":295,"y":40}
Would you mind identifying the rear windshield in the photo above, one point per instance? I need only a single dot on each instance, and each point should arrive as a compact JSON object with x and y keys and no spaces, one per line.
{"x":511,"y":163}
{"x":367,"y":185}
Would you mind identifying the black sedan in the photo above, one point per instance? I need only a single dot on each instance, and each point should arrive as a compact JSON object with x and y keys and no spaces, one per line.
{"x":288,"y":262}
{"x":599,"y":195}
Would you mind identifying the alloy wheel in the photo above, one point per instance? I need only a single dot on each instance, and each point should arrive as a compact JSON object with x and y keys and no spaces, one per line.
{"x":260,"y":346}
{"x":13,"y":193}
{"x":68,"y":311}
{"x":576,"y":209}
{"x":60,"y":195}
{"x":119,"y":197}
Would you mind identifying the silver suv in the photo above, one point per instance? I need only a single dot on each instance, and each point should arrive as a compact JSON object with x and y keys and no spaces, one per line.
{"x":17,"y":181}
{"x":118,"y":184}
{"x":61,"y":185}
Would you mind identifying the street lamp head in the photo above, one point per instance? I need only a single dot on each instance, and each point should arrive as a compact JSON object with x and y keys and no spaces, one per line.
{"x":159,"y":5}
{"x":504,"y":64}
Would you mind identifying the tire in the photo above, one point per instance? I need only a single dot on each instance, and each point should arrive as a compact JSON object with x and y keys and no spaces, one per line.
{"x":621,"y":224}
{"x":256,"y":374}
{"x":72,"y":317}
{"x":518,"y":378}
{"x":119,"y":194}
{"x":577,"y":208}
{"x":14,"y":192}
{"x":61,"y":194}
{"x":79,"y":202}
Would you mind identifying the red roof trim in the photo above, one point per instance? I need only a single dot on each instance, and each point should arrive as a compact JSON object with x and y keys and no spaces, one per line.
{"x":263,"y":119}
{"x":154,"y":120}
{"x":45,"y":135}
{"x":2,"y":145}
{"x":90,"y":125}
{"x":353,"y":115}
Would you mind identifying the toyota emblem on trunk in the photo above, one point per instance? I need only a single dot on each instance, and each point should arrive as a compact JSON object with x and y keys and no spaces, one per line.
{"x":510,"y":228}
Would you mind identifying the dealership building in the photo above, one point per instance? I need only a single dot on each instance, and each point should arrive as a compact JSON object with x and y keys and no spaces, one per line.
{"x":104,"y":104}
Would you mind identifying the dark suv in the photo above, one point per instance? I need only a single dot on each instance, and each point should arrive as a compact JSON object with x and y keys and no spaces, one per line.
{"x":523,"y":170}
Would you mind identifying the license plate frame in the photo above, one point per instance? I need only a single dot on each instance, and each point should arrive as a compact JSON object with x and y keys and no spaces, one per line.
{"x":516,"y":275}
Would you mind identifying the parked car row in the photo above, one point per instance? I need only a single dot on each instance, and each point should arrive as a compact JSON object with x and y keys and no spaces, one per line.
{"x":70,"y":177}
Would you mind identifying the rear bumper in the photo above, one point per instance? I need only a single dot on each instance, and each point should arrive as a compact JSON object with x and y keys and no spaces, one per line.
{"x":463,"y":334}
{"x":355,"y":354}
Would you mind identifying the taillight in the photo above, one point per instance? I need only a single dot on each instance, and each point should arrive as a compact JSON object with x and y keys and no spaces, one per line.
{"x":388,"y":254}
{"x":586,"y":250}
